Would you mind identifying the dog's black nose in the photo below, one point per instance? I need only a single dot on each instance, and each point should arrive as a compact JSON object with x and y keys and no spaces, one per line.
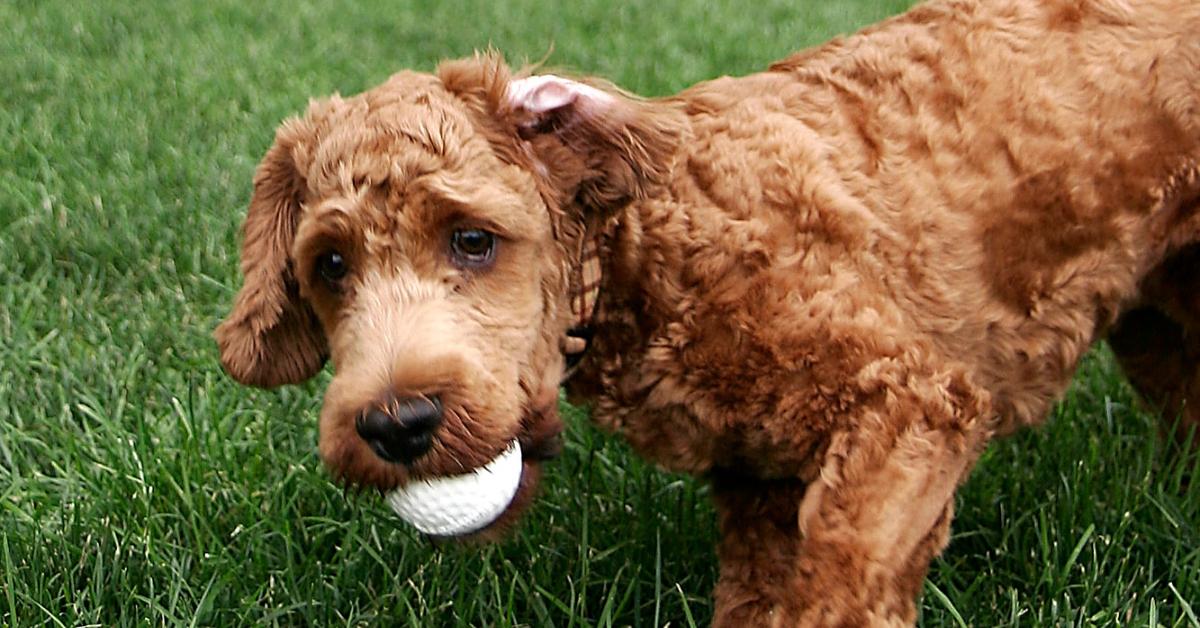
{"x":400,"y":430}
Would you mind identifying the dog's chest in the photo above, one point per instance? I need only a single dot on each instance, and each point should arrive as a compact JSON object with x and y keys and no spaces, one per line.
{"x":741,"y":390}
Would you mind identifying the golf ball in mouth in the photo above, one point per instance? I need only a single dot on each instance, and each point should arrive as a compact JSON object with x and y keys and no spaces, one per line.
{"x":460,"y":504}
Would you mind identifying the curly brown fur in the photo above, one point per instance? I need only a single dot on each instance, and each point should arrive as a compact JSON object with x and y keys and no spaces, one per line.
{"x":827,"y":285}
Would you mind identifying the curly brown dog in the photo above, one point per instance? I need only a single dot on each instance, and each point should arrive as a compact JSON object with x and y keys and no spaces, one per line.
{"x":824,"y":287}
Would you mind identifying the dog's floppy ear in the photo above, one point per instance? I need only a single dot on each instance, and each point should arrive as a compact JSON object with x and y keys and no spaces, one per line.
{"x":594,"y":144}
{"x":607,"y":146}
{"x":272,"y":336}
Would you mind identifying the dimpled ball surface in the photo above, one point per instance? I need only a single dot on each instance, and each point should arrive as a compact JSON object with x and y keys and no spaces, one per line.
{"x":460,"y":504}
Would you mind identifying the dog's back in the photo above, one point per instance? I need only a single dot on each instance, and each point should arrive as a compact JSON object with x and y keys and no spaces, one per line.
{"x":1007,"y":172}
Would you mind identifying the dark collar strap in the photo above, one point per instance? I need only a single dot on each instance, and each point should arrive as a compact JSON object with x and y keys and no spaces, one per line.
{"x":585,"y":298}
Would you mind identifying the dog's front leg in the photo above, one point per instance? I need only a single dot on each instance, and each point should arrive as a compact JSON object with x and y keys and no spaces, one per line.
{"x":880,"y":511}
{"x":852,"y":547}
{"x":760,"y":537}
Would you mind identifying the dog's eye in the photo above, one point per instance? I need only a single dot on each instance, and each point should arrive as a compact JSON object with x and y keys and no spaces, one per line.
{"x":473,"y":247}
{"x":332,"y":266}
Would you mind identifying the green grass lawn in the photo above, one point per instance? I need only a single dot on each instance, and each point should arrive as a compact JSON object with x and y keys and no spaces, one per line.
{"x":139,"y":485}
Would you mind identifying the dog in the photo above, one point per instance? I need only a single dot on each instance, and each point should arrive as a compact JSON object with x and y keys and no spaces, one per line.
{"x":824,"y":287}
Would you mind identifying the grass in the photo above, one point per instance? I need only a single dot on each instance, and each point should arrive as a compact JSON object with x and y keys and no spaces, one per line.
{"x":138,"y":485}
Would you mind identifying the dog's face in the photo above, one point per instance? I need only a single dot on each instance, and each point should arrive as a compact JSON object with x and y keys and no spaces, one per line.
{"x":421,"y":236}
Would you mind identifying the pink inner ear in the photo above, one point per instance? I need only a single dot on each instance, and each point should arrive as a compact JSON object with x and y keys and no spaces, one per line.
{"x":539,"y":94}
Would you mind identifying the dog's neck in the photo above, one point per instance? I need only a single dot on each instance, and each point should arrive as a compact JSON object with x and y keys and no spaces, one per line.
{"x":628,"y":290}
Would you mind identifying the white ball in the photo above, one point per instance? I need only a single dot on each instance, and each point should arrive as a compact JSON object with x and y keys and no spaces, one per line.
{"x":460,"y":504}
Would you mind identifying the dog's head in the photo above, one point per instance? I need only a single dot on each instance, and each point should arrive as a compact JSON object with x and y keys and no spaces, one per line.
{"x":422,"y":235}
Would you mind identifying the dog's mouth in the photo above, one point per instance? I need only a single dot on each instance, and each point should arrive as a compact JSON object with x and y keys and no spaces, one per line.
{"x":442,"y":498}
{"x":482,"y":504}
{"x":459,"y":505}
